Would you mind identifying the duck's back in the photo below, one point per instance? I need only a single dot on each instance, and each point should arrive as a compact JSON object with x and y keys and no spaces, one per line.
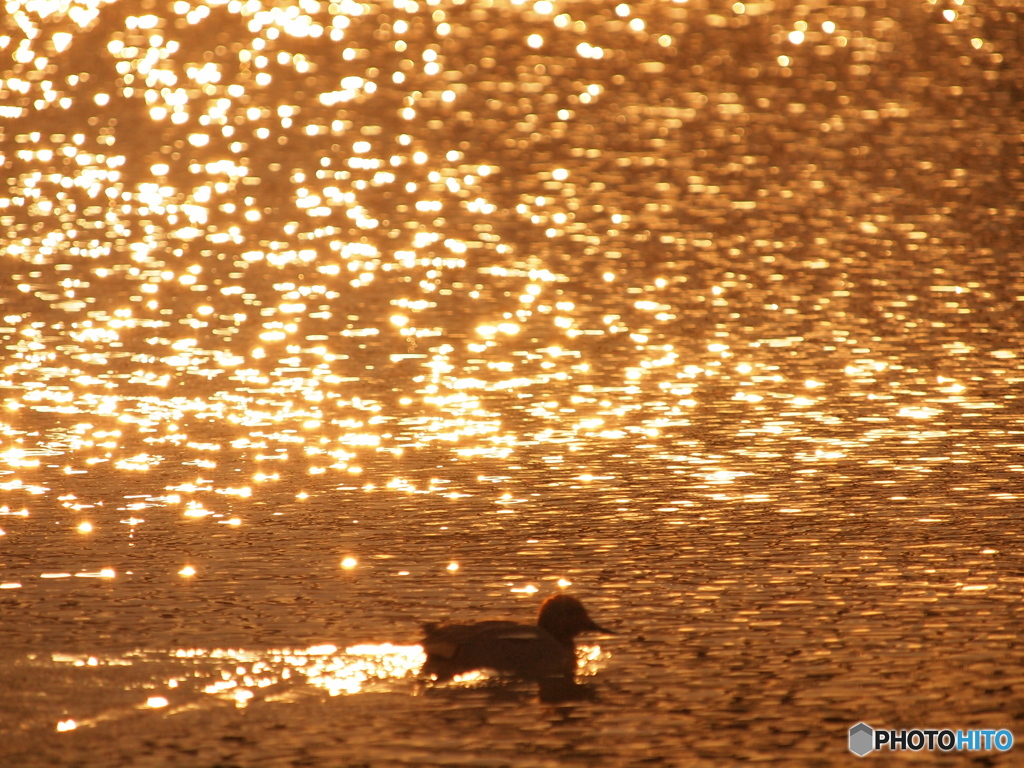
{"x":504,"y":646}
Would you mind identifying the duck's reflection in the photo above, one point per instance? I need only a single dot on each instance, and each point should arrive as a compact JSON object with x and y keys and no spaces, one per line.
{"x":499,"y":690}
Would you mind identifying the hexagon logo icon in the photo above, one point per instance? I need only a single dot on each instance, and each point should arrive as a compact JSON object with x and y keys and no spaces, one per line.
{"x":862,"y":738}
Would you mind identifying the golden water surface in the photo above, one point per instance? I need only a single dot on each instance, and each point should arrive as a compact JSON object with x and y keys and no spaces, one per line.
{"x":321,"y":320}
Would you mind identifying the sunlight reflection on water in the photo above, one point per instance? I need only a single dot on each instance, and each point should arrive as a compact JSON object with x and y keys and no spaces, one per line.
{"x":324,"y":319}
{"x":240,"y":677}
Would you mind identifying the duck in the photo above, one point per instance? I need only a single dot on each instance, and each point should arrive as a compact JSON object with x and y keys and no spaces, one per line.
{"x":531,"y":652}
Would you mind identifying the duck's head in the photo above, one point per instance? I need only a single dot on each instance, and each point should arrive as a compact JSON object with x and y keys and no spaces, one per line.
{"x":564,"y":617}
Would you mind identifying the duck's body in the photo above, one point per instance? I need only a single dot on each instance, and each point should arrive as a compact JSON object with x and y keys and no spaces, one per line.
{"x":538,"y":652}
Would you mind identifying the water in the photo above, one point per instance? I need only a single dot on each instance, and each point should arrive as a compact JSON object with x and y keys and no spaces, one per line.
{"x":323,"y":320}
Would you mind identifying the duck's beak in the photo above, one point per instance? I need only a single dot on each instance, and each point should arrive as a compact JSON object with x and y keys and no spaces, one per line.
{"x":594,"y":627}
